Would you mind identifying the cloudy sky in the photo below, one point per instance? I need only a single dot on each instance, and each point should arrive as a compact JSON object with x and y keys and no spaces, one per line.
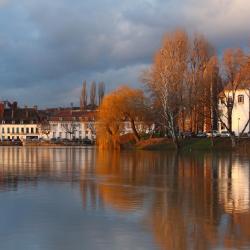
{"x":48,"y":47}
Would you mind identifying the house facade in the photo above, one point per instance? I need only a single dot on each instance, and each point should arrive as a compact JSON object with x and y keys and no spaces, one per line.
{"x":240,"y":111}
{"x":18,"y":123}
{"x":72,"y":124}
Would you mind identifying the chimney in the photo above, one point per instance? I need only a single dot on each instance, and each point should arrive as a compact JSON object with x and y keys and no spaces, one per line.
{"x":1,"y":110}
{"x":13,"y":109}
{"x":26,"y":112}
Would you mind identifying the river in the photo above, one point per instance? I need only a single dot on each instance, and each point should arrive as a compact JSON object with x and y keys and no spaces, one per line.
{"x":70,"y":198}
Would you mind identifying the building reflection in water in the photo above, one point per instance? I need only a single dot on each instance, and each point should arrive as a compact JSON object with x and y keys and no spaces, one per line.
{"x":188,"y":201}
{"x":28,"y":165}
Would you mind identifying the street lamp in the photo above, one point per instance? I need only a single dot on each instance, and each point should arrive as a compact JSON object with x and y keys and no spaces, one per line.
{"x":239,"y":126}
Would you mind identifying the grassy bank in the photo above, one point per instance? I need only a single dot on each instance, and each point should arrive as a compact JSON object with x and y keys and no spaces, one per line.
{"x":192,"y":144}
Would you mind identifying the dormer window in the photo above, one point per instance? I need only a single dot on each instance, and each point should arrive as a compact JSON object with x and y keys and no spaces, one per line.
{"x":3,"y":121}
{"x":21,"y":121}
{"x":241,"y":99}
{"x":13,"y":122}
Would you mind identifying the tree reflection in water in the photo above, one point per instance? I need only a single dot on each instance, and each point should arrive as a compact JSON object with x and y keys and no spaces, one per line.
{"x":187,"y":197}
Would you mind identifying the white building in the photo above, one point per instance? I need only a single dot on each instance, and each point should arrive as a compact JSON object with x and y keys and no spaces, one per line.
{"x":72,"y":124}
{"x":241,"y":109}
{"x":18,"y":123}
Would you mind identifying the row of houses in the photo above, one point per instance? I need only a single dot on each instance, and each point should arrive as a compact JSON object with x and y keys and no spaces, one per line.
{"x":28,"y":123}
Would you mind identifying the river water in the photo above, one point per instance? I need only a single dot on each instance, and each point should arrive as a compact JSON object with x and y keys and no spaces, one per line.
{"x":78,"y":198}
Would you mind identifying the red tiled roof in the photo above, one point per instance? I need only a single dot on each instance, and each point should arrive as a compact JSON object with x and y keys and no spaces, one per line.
{"x":71,"y":114}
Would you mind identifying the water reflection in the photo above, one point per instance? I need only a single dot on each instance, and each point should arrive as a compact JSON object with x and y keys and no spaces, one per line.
{"x":186,"y":201}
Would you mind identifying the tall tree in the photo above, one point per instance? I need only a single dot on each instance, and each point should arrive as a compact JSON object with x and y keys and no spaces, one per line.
{"x":83,"y":96}
{"x":167,"y":77}
{"x":93,"y":94}
{"x":197,"y":86}
{"x":101,"y":92}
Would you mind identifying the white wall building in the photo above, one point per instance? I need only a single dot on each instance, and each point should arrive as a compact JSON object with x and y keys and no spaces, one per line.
{"x":18,"y":123}
{"x":72,"y":124}
{"x":240,"y":113}
{"x":18,"y":131}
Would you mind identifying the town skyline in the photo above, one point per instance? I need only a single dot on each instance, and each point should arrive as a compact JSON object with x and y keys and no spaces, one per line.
{"x":48,"y":49}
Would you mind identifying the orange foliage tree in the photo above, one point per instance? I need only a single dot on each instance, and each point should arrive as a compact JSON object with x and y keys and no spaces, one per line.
{"x":124,"y":104}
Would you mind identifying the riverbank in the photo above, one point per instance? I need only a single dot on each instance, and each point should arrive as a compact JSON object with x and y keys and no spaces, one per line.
{"x":192,"y":144}
{"x":44,"y":143}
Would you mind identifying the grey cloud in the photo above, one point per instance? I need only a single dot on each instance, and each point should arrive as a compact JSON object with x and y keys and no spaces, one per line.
{"x":49,"y":47}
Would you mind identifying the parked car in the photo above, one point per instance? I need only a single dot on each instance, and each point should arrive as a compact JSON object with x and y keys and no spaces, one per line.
{"x":225,"y":134}
{"x":201,"y":134}
{"x":213,"y":133}
{"x":187,"y":134}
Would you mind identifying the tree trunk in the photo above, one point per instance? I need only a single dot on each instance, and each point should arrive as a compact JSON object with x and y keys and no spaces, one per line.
{"x":176,"y":142}
{"x":116,"y":143}
{"x":136,"y":135}
{"x":233,"y":140}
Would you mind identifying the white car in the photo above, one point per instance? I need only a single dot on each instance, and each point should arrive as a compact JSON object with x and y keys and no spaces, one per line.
{"x":225,"y":134}
{"x":213,"y":133}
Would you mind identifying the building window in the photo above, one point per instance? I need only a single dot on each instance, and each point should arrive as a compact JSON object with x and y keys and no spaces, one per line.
{"x":2,"y":130}
{"x":17,"y":130}
{"x":27,"y":130}
{"x":37,"y":130}
{"x":13,"y":130}
{"x":32,"y":130}
{"x":22,"y":130}
{"x":8,"y":130}
{"x":241,"y":99}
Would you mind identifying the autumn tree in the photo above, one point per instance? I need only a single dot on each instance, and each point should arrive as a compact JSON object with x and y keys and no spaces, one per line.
{"x":93,"y":94}
{"x":83,"y":96}
{"x":109,"y":123}
{"x":198,"y":88}
{"x":167,"y":78}
{"x":123,"y":105}
{"x":101,"y":92}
